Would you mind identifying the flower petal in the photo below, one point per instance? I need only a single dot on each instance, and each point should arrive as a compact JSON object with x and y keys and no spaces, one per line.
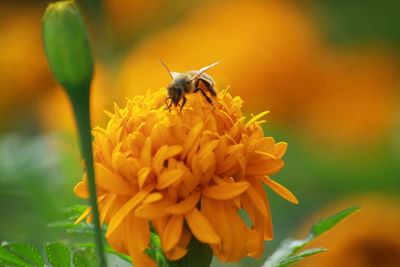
{"x":158,"y":160}
{"x":110,"y":181}
{"x":191,"y":138}
{"x":108,"y":203}
{"x":185,"y":205}
{"x":266,"y":144}
{"x":265,"y":167}
{"x":228,"y":224}
{"x":207,"y":149}
{"x":122,"y":166}
{"x":145,"y":155}
{"x":160,"y":224}
{"x":280,"y":189}
{"x":173,"y":151}
{"x":280,"y":149}
{"x":172,"y":232}
{"x":208,"y":165}
{"x":266,"y":221}
{"x":179,"y":250}
{"x":257,"y":200}
{"x":153,"y":197}
{"x":142,"y":176}
{"x":88,"y":211}
{"x":201,"y":227}
{"x":265,"y":154}
{"x":230,"y":164}
{"x":139,"y":230}
{"x":225,"y":191}
{"x":255,"y":118}
{"x":176,"y":253}
{"x":153,"y":210}
{"x":168,"y":178}
{"x":137,"y":239}
{"x":81,"y":190}
{"x":117,"y":238}
{"x":120,"y":215}
{"x":84,"y":215}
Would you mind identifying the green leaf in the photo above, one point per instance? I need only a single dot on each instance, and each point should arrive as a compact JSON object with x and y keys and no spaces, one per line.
{"x":287,"y":248}
{"x":62,"y":224}
{"x":7,"y":263}
{"x":27,"y":252}
{"x":300,"y":256}
{"x":85,"y":258}
{"x":74,"y":212}
{"x":155,"y":251}
{"x":285,"y":254}
{"x":80,"y":228}
{"x":327,"y":223}
{"x":107,"y":249}
{"x":87,"y":229}
{"x":58,"y":254}
{"x":10,"y":258}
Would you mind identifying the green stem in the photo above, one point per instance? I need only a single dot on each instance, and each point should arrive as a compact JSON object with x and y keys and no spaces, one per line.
{"x":80,"y":103}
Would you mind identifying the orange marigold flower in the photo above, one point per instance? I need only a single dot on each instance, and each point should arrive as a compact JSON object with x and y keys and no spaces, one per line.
{"x":199,"y":166}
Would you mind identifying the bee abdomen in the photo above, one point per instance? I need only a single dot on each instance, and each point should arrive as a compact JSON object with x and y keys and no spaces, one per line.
{"x":207,"y":85}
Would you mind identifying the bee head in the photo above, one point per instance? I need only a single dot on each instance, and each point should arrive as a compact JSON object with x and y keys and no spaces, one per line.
{"x":175,"y":93}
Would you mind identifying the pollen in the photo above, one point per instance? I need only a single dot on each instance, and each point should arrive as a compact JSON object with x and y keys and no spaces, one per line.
{"x":186,"y":174}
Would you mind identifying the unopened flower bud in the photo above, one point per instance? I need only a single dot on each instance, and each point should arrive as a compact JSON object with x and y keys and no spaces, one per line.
{"x":67,"y":46}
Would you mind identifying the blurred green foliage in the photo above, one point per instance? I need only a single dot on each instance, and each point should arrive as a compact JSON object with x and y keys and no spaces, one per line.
{"x":36,"y":177}
{"x":351,"y":22}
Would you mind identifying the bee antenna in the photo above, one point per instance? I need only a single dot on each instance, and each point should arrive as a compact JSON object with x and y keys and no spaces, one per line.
{"x":165,"y":67}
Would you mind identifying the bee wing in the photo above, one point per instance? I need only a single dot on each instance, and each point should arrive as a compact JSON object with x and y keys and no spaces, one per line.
{"x":202,"y":70}
{"x":174,"y":74}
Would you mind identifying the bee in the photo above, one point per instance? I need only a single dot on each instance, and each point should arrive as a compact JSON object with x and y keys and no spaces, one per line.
{"x":189,"y":82}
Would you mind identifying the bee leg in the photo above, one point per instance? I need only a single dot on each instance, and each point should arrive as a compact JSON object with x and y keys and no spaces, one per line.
{"x":212,"y":91}
{"x":205,"y":95}
{"x":168,"y":105}
{"x":183,"y":102}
